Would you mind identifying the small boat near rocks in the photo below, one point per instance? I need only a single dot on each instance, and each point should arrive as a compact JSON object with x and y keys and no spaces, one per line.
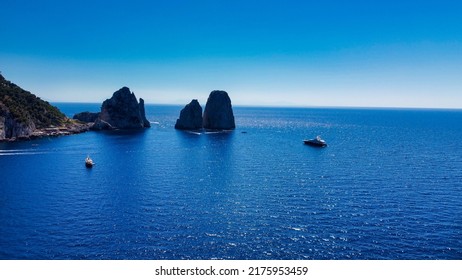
{"x":316,"y":142}
{"x":89,"y":162}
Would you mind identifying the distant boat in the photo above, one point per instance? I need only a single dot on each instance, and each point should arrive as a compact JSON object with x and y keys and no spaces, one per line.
{"x":317,"y":142}
{"x":89,"y":162}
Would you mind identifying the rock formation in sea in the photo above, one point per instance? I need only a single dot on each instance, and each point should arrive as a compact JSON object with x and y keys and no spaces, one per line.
{"x":122,"y":111}
{"x":190,"y":117}
{"x":25,"y":116}
{"x":86,"y":117}
{"x":146,"y":123}
{"x":218,"y":112}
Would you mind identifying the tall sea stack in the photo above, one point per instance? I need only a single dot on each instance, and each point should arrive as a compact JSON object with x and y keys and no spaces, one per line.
{"x":146,"y":123}
{"x":218,"y":113}
{"x":190,"y":117}
{"x":122,"y":111}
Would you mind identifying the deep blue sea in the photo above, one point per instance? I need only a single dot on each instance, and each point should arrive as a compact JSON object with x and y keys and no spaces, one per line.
{"x":387,"y":186}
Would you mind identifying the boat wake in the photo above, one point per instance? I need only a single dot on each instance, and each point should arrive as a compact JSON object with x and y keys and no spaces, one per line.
{"x":20,"y":152}
{"x":218,"y":132}
{"x":207,"y":132}
{"x":193,"y":132}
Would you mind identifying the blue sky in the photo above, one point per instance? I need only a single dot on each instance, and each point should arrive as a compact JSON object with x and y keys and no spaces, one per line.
{"x":272,"y":53}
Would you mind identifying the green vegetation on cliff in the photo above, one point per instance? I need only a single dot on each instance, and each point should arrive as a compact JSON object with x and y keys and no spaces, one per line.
{"x":25,"y":107}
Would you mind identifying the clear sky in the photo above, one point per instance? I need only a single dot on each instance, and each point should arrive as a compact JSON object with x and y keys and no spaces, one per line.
{"x":282,"y":53}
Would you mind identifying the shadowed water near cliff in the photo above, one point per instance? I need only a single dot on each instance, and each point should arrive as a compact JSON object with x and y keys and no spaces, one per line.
{"x":385,"y":188}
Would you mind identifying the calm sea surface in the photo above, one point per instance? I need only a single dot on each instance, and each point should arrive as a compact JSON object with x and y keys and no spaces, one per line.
{"x":388,"y":186}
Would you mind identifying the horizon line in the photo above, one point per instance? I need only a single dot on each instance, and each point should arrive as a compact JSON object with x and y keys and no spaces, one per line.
{"x":290,"y":106}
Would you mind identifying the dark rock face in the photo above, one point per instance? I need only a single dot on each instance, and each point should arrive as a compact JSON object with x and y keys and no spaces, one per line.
{"x":218,"y":113}
{"x":11,"y":128}
{"x":122,"y":111}
{"x":190,"y":117}
{"x":86,"y":117}
{"x":99,"y":124}
{"x":146,"y":123}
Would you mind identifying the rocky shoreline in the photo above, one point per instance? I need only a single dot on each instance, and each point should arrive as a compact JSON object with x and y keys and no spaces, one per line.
{"x":24,"y":116}
{"x":73,"y":127}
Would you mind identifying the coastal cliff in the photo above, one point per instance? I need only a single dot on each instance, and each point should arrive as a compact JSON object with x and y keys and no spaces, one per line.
{"x":25,"y":116}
